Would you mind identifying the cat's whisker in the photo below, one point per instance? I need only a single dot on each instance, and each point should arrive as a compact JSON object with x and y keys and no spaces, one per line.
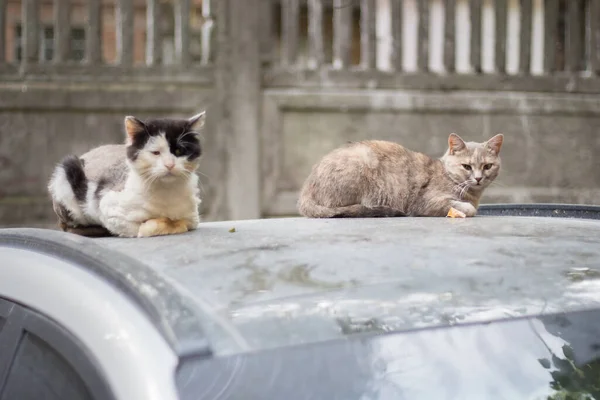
{"x":464,"y":189}
{"x":499,"y":184}
{"x":204,"y":175}
{"x":460,"y":188}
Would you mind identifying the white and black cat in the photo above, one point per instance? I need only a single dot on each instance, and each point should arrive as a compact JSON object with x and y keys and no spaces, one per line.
{"x":145,"y":187}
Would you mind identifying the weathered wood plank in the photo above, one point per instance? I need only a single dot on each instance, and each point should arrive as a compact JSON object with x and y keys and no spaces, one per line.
{"x":475,"y":56}
{"x":573,"y":38}
{"x":182,"y":31}
{"x":290,"y":10}
{"x":550,"y":34}
{"x":594,"y":36}
{"x":266,"y":34}
{"x":500,"y":12}
{"x":93,"y":34}
{"x":3,"y":30}
{"x":30,"y":31}
{"x":153,"y":33}
{"x":342,"y":29}
{"x":397,"y":9}
{"x":124,"y":19}
{"x":450,"y":36}
{"x":208,"y":34}
{"x":423,"y":36}
{"x":525,"y":39}
{"x":62,"y":30}
{"x":368,"y":39}
{"x":316,"y":53}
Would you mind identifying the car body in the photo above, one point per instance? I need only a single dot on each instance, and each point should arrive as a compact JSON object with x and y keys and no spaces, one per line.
{"x":503,"y":305}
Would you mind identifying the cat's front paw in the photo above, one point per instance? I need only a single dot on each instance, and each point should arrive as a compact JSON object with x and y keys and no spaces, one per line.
{"x":465,"y":208}
{"x":161,"y":227}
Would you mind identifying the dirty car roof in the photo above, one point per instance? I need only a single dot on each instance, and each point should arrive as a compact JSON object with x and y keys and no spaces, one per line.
{"x":279,"y":282}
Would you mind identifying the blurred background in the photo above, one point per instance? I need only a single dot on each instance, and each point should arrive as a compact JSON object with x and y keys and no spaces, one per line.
{"x":285,"y":81}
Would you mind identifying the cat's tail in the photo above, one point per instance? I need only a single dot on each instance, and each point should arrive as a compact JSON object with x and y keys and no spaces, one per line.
{"x":68,"y":189}
{"x":309,"y":208}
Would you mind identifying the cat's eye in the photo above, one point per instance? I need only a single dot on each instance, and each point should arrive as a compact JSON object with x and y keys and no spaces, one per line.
{"x":156,"y":153}
{"x":488,"y":166}
{"x":177,"y":152}
{"x":467,"y":167}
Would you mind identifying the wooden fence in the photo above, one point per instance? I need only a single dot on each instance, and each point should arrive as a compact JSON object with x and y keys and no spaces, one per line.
{"x":94,"y":66}
{"x":522,"y":45}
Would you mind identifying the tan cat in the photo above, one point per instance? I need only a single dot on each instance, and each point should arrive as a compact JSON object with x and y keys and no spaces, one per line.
{"x":383,"y":179}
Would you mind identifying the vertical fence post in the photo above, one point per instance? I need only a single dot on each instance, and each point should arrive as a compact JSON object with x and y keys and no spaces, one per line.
{"x":62,"y":28}
{"x":368,"y":39}
{"x":153,"y":33}
{"x":289,"y":31}
{"x":267,"y":37}
{"x":182,"y":31}
{"x":93,"y":34}
{"x":423,"y":36}
{"x":594,"y":36}
{"x":2,"y":30}
{"x":550,"y":35}
{"x":525,"y":40}
{"x":475,"y":11}
{"x":450,"y":36}
{"x":124,"y":32}
{"x":342,"y":29}
{"x":500,"y":12}
{"x":315,"y":34}
{"x":574,"y":39}
{"x":30,"y":31}
{"x":397,"y":9}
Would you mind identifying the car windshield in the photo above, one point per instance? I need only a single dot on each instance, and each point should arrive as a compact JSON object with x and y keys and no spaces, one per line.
{"x":553,"y":357}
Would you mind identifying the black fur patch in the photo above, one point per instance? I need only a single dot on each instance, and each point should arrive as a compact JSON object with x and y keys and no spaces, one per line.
{"x":177,"y":133}
{"x":73,"y":167}
{"x":61,"y":212}
{"x":101,"y":184}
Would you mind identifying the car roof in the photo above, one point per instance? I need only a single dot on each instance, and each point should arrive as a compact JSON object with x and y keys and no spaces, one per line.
{"x":236,"y":286}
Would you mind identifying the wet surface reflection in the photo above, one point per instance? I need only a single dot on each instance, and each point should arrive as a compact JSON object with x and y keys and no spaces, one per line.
{"x":551,"y":357}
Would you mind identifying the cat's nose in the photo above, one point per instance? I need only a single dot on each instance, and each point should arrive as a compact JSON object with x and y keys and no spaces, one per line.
{"x":478,"y":179}
{"x":170,"y":166}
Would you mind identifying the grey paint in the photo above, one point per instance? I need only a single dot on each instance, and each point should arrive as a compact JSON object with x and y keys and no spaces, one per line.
{"x":280,"y":282}
{"x":171,"y":312}
{"x":99,"y":315}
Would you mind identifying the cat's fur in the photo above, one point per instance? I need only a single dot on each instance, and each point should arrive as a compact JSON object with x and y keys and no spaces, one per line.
{"x":383,"y":179}
{"x":145,"y":187}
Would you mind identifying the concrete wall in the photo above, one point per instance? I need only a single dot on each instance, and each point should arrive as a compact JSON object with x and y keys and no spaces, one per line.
{"x":549,"y":154}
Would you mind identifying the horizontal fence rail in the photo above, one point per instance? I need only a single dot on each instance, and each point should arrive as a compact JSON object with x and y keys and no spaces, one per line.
{"x":504,"y":44}
{"x":130,"y":38}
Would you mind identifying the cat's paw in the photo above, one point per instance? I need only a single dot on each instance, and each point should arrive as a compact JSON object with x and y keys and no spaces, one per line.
{"x":161,"y":227}
{"x":465,"y":208}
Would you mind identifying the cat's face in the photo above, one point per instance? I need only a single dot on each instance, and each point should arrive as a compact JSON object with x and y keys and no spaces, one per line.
{"x":473,"y":165}
{"x":164,"y":149}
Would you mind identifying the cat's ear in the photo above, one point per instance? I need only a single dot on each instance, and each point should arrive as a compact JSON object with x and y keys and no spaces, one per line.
{"x":197,"y":121}
{"x":133,"y":127}
{"x":455,"y":143}
{"x":495,"y":143}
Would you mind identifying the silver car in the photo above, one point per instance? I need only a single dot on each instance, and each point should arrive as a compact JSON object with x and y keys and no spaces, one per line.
{"x":505,"y":305}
